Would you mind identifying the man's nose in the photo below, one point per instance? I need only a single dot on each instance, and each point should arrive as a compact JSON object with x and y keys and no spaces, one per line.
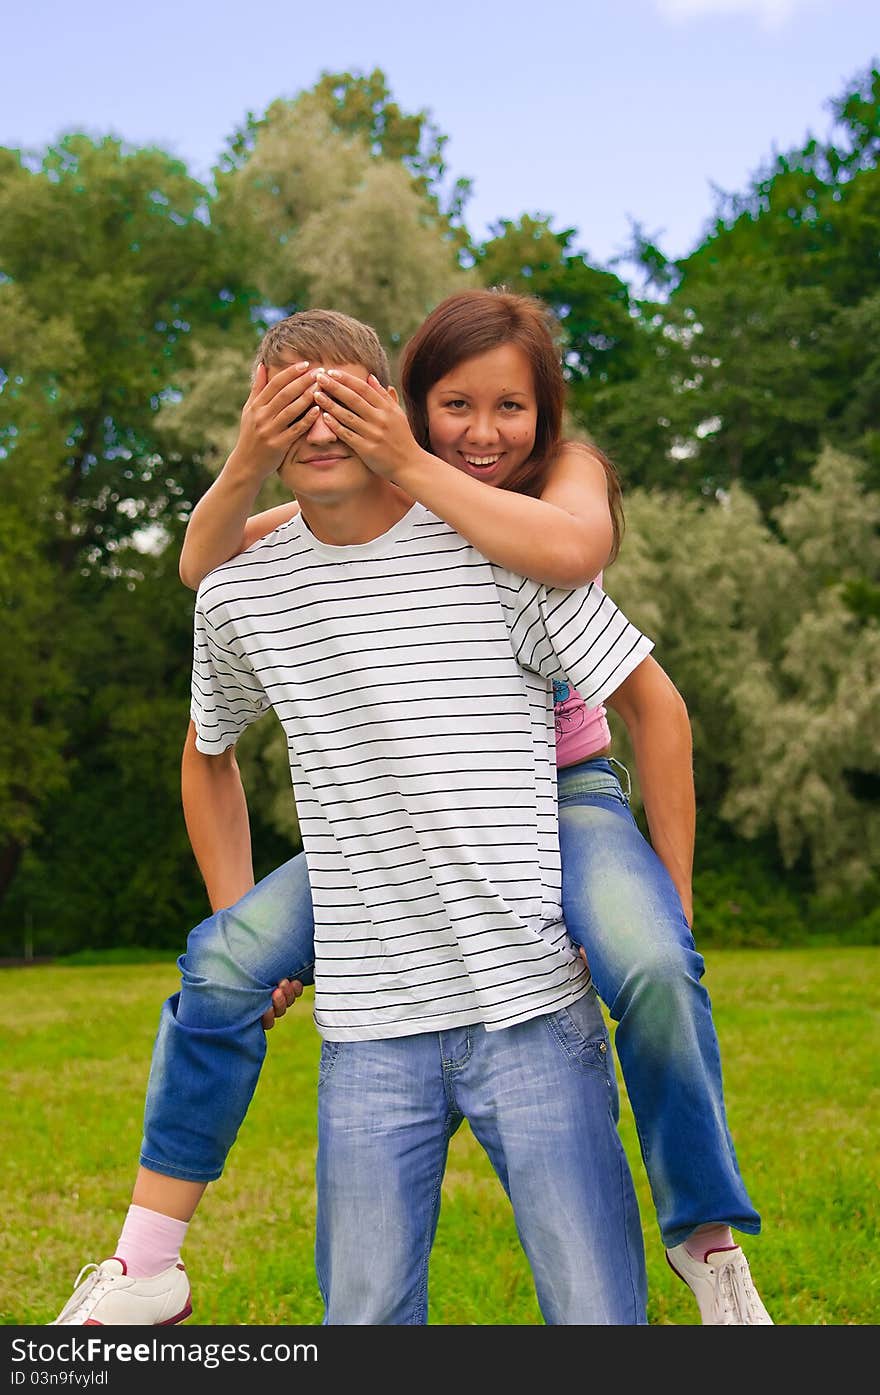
{"x":320,"y":432}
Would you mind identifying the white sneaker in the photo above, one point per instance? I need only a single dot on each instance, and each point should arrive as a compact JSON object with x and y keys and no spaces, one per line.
{"x":109,"y":1298}
{"x":723,"y":1287}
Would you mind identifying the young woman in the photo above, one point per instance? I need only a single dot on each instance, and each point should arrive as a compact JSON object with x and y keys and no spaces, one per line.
{"x":484,"y":393}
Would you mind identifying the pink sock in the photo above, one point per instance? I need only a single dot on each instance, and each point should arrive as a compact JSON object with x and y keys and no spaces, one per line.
{"x":708,"y":1238}
{"x":149,"y":1242}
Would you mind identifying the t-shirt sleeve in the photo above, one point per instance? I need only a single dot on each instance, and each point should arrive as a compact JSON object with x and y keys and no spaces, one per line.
{"x":580,"y":636}
{"x":227,"y":696}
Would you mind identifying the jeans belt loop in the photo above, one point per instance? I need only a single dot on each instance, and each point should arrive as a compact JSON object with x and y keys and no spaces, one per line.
{"x":627,"y":788}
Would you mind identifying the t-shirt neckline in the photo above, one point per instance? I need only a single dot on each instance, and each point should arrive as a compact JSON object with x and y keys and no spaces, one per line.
{"x":353,"y":552}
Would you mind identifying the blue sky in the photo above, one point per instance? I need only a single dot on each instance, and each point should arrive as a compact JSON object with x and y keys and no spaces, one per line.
{"x":593,"y":112}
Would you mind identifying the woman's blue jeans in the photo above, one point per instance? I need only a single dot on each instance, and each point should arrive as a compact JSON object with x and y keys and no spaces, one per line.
{"x":619,"y":903}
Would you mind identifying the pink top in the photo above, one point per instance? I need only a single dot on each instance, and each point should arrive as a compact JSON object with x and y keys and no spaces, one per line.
{"x":581,"y":731}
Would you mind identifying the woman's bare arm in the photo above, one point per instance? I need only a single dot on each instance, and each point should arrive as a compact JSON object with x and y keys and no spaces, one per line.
{"x":564,"y":538}
{"x":220,"y":526}
{"x":659,"y":727}
{"x":278,"y":411}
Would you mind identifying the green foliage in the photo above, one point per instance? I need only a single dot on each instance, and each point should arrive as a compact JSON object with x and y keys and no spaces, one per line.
{"x":362,"y":103}
{"x":361,"y":106}
{"x":741,"y":900}
{"x":106,"y":264}
{"x":762,"y":342}
{"x":114,"y":865}
{"x":323,"y":209}
{"x":753,"y":405}
{"x":780,"y":671}
{"x":599,"y":334}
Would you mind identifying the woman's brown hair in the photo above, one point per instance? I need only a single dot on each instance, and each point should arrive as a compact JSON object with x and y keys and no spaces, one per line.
{"x":474,"y":322}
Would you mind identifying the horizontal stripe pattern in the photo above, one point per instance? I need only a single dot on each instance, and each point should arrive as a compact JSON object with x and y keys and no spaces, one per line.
{"x":412,"y":679}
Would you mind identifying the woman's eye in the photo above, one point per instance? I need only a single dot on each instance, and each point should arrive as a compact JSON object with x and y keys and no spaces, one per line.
{"x":513,"y":406}
{"x":457,"y":402}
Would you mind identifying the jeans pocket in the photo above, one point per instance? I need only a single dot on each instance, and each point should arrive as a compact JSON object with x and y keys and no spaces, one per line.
{"x":329,"y":1056}
{"x":610,"y":791}
{"x":581,"y":1035}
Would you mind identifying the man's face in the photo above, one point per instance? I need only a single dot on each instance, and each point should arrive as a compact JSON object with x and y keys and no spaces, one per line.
{"x":319,"y":466}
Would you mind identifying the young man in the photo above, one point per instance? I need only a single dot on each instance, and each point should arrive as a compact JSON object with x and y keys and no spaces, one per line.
{"x":413,"y":679}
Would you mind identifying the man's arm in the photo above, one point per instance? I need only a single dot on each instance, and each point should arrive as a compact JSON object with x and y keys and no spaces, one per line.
{"x":656,"y":718}
{"x":216,"y":816}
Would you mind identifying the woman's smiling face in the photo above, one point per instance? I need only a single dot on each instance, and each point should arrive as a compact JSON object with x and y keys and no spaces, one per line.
{"x":482,"y":416}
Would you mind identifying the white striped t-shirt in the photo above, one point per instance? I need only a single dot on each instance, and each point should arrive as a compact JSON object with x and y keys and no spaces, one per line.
{"x":412,"y":678}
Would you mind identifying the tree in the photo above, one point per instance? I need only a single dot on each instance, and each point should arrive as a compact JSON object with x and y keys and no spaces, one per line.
{"x":761,"y":343}
{"x":316,"y":216}
{"x":772,"y":634}
{"x":361,"y":105}
{"x":106,"y":264}
{"x":812,"y":767}
{"x":775,"y":304}
{"x":593,"y":306}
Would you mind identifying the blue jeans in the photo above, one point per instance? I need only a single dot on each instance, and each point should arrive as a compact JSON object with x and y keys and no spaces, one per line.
{"x":542,"y":1100}
{"x":210,"y":1044}
{"x":619,"y":903}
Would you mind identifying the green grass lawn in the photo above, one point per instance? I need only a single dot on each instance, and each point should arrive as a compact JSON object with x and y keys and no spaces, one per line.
{"x":799,"y":1040}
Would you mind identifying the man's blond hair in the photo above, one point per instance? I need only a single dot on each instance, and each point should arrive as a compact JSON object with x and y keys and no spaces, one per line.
{"x":323,"y":336}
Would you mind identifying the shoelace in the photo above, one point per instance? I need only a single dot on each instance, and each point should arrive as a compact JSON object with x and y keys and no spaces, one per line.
{"x":735,"y":1294}
{"x":94,"y":1281}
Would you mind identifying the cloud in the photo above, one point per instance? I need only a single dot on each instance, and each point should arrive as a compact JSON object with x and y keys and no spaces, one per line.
{"x":771,"y":14}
